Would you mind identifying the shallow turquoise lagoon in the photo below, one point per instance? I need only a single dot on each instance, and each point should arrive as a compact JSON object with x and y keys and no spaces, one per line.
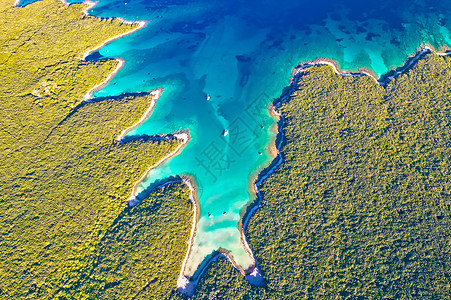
{"x":241,"y":53}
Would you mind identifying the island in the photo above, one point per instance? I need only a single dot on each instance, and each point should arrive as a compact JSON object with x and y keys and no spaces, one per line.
{"x":355,"y":202}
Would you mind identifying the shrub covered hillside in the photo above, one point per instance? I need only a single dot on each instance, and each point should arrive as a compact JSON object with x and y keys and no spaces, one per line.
{"x":360,"y":207}
{"x":64,"y":179}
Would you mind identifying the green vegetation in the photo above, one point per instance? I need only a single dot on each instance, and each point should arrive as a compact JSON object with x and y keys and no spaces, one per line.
{"x":140,"y":256}
{"x":66,"y":231}
{"x":360,"y":207}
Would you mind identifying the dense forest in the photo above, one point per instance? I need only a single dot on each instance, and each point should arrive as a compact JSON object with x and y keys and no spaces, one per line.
{"x":359,"y":208}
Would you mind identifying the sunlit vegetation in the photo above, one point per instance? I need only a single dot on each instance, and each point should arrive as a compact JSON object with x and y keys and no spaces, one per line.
{"x":140,"y":256}
{"x":66,"y":231}
{"x":360,"y":207}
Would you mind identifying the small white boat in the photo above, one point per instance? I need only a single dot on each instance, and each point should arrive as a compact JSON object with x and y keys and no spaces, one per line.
{"x":207,"y":97}
{"x":225,"y":132}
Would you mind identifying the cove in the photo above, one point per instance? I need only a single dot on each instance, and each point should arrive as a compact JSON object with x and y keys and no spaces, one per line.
{"x":240,"y":55}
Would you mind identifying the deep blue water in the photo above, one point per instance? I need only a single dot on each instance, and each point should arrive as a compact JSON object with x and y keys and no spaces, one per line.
{"x":242,"y":54}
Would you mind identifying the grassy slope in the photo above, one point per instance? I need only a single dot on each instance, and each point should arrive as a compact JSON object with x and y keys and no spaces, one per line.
{"x":63,"y":178}
{"x":360,"y":207}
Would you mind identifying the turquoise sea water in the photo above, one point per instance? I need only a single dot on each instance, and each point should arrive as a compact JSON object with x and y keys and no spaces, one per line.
{"x":241,"y":53}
